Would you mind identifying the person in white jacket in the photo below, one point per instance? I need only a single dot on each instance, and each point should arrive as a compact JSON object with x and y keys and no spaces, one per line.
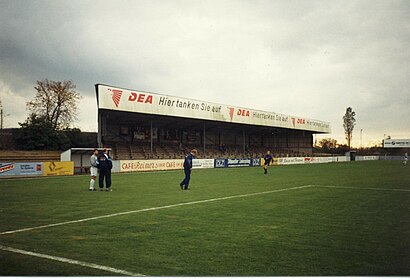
{"x":93,"y":169}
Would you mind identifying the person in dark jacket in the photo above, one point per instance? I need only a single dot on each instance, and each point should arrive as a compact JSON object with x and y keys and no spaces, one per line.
{"x":268,"y":158}
{"x":187,"y":169}
{"x":104,"y":164}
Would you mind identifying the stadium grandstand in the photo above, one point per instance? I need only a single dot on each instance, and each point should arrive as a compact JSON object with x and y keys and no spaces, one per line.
{"x":145,"y":125}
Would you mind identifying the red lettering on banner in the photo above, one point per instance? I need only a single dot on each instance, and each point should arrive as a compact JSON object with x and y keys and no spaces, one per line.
{"x":7,"y":167}
{"x":133,"y":96}
{"x":244,"y":113}
{"x":231,"y":111}
{"x":141,"y":98}
{"x":301,"y":121}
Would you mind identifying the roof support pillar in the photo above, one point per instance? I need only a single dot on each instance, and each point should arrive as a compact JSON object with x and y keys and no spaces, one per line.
{"x":204,"y":139}
{"x":244,"y":140}
{"x":99,"y":130}
{"x":151,"y":137}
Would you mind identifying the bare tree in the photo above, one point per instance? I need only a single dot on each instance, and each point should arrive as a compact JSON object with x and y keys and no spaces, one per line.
{"x":348,"y":124}
{"x":56,"y":101}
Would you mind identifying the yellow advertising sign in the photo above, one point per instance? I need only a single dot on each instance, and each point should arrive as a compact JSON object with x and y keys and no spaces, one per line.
{"x":274,"y":161}
{"x":58,"y":168}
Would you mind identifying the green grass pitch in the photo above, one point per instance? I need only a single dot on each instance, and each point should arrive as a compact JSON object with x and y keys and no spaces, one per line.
{"x":346,"y":219}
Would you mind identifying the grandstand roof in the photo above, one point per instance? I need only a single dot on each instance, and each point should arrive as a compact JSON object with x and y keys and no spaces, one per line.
{"x":187,"y":112}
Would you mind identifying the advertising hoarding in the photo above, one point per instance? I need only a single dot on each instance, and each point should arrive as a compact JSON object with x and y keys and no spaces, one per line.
{"x":21,"y":169}
{"x":396,"y":143}
{"x":58,"y":168}
{"x":119,"y":99}
{"x":150,"y":165}
{"x":236,"y":162}
{"x":202,"y":163}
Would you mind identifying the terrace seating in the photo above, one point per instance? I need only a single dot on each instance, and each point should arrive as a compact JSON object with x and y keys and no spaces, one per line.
{"x":126,"y":151}
{"x":29,"y":156}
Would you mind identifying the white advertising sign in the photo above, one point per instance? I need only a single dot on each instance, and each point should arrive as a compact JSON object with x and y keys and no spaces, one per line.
{"x":119,"y":99}
{"x":396,"y":143}
{"x":202,"y":163}
{"x":360,"y":158}
{"x":291,"y":160}
{"x":150,"y":165}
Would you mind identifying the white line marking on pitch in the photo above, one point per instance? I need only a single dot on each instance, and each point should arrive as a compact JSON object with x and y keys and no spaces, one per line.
{"x":70,"y":261}
{"x":354,"y":188}
{"x":152,"y":209}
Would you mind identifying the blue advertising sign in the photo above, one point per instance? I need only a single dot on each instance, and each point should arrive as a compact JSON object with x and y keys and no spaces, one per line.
{"x":220,"y":163}
{"x":256,"y":162}
{"x":21,"y":169}
{"x":237,"y":162}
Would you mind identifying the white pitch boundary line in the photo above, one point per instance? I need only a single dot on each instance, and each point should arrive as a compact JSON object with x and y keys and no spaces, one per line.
{"x":70,"y":261}
{"x":152,"y":209}
{"x":354,"y":188}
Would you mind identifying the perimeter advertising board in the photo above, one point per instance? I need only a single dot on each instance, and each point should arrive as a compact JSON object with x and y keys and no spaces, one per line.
{"x":150,"y":165}
{"x":21,"y":169}
{"x":112,"y":98}
{"x":202,"y":163}
{"x":237,"y":162}
{"x":162,"y":164}
{"x":396,"y":143}
{"x":58,"y":168}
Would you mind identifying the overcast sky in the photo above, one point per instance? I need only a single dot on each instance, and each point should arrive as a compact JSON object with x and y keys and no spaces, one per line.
{"x":306,"y":58}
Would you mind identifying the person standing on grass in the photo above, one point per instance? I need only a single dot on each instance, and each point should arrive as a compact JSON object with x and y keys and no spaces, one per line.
{"x":405,"y":159}
{"x":267,"y":159}
{"x":93,"y":169}
{"x":187,"y":169}
{"x":104,"y":163}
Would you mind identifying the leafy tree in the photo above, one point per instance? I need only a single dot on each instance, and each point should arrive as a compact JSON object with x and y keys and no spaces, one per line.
{"x":57,"y":102}
{"x":37,"y":133}
{"x":328,"y":145}
{"x":80,"y":139}
{"x":348,"y":124}
{"x":342,"y":149}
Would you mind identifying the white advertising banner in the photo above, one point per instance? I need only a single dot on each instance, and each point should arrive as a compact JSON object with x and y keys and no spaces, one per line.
{"x":322,"y":159}
{"x":162,"y":164}
{"x":341,"y":159}
{"x":304,"y":160}
{"x":396,"y":143}
{"x":360,"y":158}
{"x":202,"y":163}
{"x":291,"y":160}
{"x":150,"y":165}
{"x":112,"y":98}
